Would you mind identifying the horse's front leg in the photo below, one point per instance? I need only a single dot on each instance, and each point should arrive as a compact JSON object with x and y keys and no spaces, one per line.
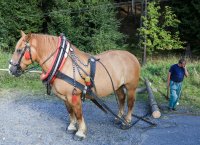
{"x":76,"y":115}
{"x":72,"y":126}
{"x":77,"y":109}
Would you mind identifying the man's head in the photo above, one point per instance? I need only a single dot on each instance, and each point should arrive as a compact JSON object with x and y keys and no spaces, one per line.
{"x":182,"y":62}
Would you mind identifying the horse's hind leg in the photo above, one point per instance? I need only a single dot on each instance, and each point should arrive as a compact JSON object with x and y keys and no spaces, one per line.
{"x":130,"y":102}
{"x":121,"y":97}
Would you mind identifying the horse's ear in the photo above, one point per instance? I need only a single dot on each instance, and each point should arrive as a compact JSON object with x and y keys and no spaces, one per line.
{"x":22,"y":33}
{"x":28,"y":37}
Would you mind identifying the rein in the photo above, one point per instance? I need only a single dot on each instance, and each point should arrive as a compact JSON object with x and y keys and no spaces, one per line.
{"x":52,"y":54}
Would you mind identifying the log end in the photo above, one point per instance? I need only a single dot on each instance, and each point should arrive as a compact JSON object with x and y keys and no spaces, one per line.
{"x":156,"y":114}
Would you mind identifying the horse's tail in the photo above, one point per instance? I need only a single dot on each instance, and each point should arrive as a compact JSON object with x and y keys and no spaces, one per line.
{"x":125,"y":91}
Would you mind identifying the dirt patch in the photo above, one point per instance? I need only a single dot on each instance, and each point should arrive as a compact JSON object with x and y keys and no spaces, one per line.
{"x":28,"y":119}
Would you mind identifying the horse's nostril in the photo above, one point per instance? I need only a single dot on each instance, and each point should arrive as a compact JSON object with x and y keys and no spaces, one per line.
{"x":11,"y":70}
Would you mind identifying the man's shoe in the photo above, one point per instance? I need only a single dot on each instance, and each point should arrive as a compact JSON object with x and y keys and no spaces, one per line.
{"x":170,"y":109}
{"x":174,"y":109}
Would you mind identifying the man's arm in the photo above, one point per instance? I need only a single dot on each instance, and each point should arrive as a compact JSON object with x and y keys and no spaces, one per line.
{"x":186,"y":72}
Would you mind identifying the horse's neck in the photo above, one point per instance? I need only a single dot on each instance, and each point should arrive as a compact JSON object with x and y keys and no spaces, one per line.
{"x":45,"y":46}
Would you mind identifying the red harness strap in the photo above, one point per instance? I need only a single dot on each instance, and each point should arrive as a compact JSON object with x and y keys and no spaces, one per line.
{"x":47,"y":74}
{"x":62,"y":64}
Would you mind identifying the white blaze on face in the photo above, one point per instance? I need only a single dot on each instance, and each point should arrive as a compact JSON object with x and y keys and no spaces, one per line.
{"x":9,"y":66}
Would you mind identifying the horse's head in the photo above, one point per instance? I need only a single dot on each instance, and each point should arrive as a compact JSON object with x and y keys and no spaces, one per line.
{"x":23,"y":56}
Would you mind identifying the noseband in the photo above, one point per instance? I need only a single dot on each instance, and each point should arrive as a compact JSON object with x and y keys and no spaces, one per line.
{"x":26,"y":52}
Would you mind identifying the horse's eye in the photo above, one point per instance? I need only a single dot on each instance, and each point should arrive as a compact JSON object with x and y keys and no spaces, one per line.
{"x":18,"y":51}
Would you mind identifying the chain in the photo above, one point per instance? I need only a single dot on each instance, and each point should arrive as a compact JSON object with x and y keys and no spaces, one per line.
{"x":74,"y":74}
{"x":79,"y":71}
{"x":77,"y":58}
{"x":75,"y":64}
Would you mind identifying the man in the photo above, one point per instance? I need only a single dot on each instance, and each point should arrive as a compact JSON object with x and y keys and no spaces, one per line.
{"x":174,"y":82}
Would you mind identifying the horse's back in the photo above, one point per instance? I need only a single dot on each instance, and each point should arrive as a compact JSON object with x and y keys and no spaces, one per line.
{"x":122,"y":66}
{"x":121,"y":60}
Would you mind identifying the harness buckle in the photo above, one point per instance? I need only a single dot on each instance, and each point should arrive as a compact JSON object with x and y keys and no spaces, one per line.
{"x":84,"y":93}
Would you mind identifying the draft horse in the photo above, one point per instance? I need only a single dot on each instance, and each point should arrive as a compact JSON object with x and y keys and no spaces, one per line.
{"x":121,"y":66}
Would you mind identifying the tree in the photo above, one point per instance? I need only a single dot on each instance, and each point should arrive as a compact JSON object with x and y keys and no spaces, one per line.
{"x":188,"y":12}
{"x":15,"y":16}
{"x":90,"y":25}
{"x":160,"y":29}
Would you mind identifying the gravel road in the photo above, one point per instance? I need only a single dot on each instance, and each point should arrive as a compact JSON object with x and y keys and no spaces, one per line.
{"x":27,"y":119}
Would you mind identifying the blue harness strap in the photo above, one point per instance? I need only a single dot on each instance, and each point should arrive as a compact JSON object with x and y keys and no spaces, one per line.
{"x":69,"y":80}
{"x":93,"y":67}
{"x":80,"y":86}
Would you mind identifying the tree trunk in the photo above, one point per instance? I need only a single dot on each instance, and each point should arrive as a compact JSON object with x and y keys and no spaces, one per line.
{"x":152,"y":102}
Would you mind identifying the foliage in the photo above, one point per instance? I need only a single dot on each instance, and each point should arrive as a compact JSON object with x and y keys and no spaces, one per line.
{"x":90,"y":25}
{"x":160,"y":29}
{"x":188,"y":13}
{"x":15,"y":16}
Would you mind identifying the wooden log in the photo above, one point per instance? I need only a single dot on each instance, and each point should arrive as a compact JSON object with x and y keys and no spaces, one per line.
{"x":166,"y":96}
{"x":152,"y":102}
{"x":141,"y":90}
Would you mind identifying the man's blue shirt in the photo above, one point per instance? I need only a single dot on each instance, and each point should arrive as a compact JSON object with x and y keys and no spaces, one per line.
{"x":177,"y":73}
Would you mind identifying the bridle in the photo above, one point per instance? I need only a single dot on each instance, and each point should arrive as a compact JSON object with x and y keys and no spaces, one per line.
{"x":26,"y":52}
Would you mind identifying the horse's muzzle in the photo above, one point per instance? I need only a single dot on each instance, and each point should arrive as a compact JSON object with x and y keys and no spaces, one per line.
{"x":15,"y":69}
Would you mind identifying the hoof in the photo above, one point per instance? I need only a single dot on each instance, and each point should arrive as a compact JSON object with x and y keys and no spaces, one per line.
{"x":125,"y":126}
{"x":71,"y":129}
{"x":117,"y":122}
{"x":79,"y":136}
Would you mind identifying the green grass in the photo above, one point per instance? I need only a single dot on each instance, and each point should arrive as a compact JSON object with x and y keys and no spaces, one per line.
{"x":26,"y":82}
{"x":155,"y":70}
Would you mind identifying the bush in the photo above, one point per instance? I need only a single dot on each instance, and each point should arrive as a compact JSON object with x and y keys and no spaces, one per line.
{"x":15,"y":16}
{"x":90,"y":26}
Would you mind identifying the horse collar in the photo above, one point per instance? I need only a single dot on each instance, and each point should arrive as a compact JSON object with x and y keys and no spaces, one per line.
{"x":58,"y":61}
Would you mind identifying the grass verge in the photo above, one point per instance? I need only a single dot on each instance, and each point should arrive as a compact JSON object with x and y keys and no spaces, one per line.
{"x":28,"y":82}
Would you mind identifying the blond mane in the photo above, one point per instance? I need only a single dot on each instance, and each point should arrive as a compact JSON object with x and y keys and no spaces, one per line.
{"x":43,"y":40}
